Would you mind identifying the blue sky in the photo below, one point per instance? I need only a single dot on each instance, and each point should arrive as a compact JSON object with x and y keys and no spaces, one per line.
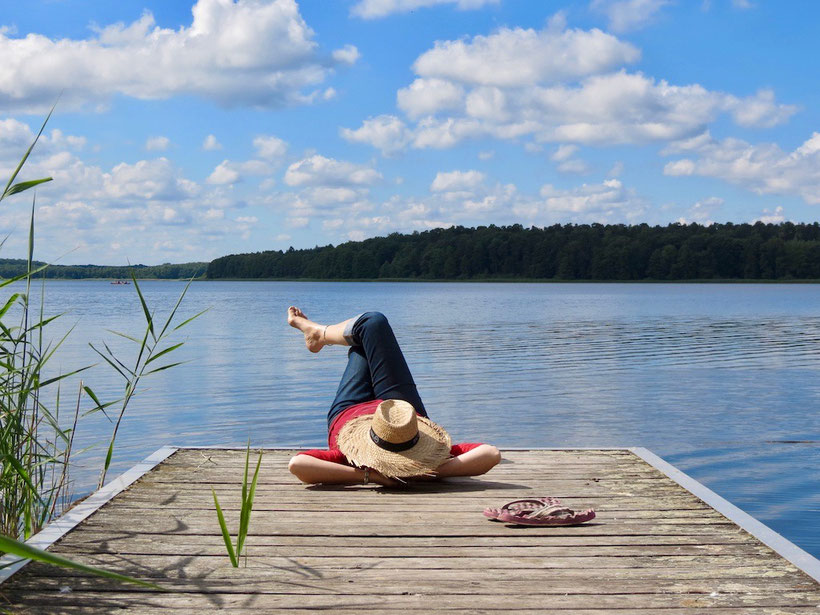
{"x":189,"y":130}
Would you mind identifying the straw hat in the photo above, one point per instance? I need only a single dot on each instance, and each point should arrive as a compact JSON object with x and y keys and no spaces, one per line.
{"x":395,"y":441}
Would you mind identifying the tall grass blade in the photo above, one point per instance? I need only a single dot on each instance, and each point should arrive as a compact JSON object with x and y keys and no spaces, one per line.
{"x":109,"y":361}
{"x":226,"y":536}
{"x":21,"y":549}
{"x":164,"y":367}
{"x":28,"y":152}
{"x":22,"y":186}
{"x":153,"y":358}
{"x":8,"y":305}
{"x":148,"y":316}
{"x":21,"y":472}
{"x":242,"y":509}
{"x":247,"y":506}
{"x":176,"y":307}
{"x":100,"y":406}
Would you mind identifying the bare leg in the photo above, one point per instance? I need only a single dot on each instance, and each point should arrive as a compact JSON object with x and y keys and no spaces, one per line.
{"x":317,"y":336}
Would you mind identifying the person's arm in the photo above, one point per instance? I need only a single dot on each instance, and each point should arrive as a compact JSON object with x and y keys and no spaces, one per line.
{"x":313,"y":471}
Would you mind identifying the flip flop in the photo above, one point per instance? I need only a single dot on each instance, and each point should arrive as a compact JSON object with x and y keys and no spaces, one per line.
{"x":520,"y":506}
{"x":549,"y":514}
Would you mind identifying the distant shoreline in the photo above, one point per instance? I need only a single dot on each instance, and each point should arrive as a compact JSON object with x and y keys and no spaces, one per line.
{"x":446,"y":281}
{"x":514,"y":281}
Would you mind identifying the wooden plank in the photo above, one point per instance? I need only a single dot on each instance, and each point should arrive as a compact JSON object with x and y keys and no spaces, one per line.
{"x":426,"y":547}
{"x":261,"y":564}
{"x":364,"y":602}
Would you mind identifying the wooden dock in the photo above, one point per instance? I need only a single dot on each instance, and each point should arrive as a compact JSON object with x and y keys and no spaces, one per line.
{"x":654,"y":548}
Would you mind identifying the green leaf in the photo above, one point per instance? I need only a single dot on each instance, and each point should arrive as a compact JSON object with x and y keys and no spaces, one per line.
{"x":128,"y":337}
{"x":28,"y":152}
{"x":148,"y":316}
{"x":100,"y":406}
{"x":21,"y":186}
{"x":242,"y":509}
{"x":166,"y":351}
{"x":226,"y":536}
{"x":21,"y":472}
{"x":194,"y":317}
{"x":108,"y":457}
{"x":109,"y":361}
{"x":176,"y":307}
{"x":22,"y":276}
{"x":8,"y":305}
{"x":164,"y":367}
{"x":247,"y":504}
{"x":62,"y":376}
{"x":21,"y":549}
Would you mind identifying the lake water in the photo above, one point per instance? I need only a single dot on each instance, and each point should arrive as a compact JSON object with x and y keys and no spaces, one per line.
{"x":720,"y":380}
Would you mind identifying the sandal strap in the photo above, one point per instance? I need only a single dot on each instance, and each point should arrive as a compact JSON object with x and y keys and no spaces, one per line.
{"x":515,"y":504}
{"x":551,"y":511}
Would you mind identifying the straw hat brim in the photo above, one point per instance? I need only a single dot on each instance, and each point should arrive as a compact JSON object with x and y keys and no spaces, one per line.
{"x":432,"y":449}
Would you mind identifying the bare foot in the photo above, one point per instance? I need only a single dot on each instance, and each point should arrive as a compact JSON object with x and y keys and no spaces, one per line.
{"x":312,"y":331}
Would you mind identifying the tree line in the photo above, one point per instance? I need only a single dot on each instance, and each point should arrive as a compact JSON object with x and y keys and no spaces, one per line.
{"x":562,"y":252}
{"x":11,"y":267}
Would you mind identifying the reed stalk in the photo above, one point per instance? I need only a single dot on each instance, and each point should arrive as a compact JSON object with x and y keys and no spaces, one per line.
{"x":246,"y":508}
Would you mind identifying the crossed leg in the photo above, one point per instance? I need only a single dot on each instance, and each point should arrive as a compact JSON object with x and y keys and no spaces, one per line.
{"x":376,"y":370}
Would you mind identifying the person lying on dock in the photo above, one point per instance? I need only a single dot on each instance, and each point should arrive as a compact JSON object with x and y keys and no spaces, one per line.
{"x":378,"y":429}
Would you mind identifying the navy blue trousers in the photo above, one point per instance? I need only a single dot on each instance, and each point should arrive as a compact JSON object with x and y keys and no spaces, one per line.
{"x":376,"y":368}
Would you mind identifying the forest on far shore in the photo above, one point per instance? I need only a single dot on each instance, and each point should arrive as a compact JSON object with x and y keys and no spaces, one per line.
{"x":12,"y":267}
{"x":562,"y":252}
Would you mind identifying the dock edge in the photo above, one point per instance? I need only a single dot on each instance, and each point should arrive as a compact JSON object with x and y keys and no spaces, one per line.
{"x":782,"y":546}
{"x":51,"y":533}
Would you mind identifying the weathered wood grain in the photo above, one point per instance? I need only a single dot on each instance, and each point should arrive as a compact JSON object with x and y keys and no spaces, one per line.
{"x":654,"y":547}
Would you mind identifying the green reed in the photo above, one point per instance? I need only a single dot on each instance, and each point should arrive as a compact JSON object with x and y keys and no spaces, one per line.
{"x":36,"y":441}
{"x":34,"y":448}
{"x":246,"y":507}
{"x":152,"y":345}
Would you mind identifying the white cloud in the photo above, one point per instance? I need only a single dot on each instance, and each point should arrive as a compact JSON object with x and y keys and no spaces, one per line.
{"x":760,"y":110}
{"x":235,"y":53}
{"x":425,"y":96}
{"x":519,"y":57}
{"x":616,"y":169}
{"x":268,"y":146}
{"x":772,"y":217}
{"x":143,"y":211}
{"x":486,"y":155}
{"x":229,"y":172}
{"x":456,"y":180}
{"x":598,"y":202}
{"x":385,"y":132}
{"x":346,"y":55}
{"x":297,"y":221}
{"x":625,"y":15}
{"x":763,"y":168}
{"x":704,"y":210}
{"x":555,"y":85}
{"x":157,"y":144}
{"x":156,"y":180}
{"x":564,"y":152}
{"x":223,"y":174}
{"x":211,"y":144}
{"x":320,"y":171}
{"x":375,"y":9}
{"x":574,"y":166}
{"x":742,"y":4}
